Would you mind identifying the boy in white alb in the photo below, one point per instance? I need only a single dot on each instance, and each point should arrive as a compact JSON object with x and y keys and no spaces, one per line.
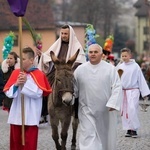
{"x":33,"y":84}
{"x":133,"y":83}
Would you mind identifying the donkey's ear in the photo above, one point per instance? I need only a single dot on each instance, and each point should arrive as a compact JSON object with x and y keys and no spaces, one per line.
{"x":73,"y":58}
{"x":54,"y":58}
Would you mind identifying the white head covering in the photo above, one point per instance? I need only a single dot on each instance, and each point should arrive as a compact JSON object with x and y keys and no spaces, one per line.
{"x":74,"y":45}
{"x":5,"y":65}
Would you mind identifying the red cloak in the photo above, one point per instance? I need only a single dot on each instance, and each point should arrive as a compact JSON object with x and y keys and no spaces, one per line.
{"x":38,"y":76}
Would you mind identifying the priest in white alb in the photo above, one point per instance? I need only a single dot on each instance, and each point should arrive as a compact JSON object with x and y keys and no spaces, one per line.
{"x":99,"y":89}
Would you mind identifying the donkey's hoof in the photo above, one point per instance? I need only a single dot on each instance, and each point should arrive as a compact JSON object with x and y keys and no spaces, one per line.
{"x":63,"y":148}
{"x":58,"y":147}
{"x":73,"y":147}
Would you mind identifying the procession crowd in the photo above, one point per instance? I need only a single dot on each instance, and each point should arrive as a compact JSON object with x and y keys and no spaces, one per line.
{"x":103,"y":90}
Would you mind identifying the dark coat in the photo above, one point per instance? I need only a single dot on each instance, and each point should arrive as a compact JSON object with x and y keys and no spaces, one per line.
{"x":2,"y":95}
{"x":7,"y":101}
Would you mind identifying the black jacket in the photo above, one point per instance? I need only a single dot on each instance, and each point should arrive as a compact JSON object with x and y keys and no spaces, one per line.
{"x":2,"y":95}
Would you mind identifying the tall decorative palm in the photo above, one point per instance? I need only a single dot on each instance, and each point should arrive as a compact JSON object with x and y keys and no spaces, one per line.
{"x":35,"y":36}
{"x":18,"y":7}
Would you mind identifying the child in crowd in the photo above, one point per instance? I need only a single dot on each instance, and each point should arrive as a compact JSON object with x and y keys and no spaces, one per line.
{"x":133,"y":83}
{"x":33,"y":84}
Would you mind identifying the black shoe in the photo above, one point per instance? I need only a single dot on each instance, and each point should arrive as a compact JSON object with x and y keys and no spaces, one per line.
{"x":134,"y":134}
{"x":42,"y":120}
{"x":128,"y":134}
{"x":45,"y":119}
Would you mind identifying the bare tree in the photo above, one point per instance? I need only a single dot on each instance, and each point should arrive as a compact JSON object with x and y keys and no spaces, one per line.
{"x":65,"y":10}
{"x":100,"y":13}
{"x":86,"y":11}
{"x":110,"y":12}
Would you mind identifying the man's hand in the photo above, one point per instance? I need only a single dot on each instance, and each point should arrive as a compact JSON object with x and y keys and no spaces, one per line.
{"x":38,"y":52}
{"x":22,"y":78}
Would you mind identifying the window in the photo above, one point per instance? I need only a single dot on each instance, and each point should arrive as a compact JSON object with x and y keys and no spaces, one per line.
{"x":146,"y":45}
{"x":146,"y":30}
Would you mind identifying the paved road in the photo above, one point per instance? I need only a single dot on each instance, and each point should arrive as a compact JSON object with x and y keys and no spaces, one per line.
{"x":45,"y":141}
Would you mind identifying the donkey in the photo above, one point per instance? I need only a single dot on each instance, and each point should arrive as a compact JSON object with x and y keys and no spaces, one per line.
{"x":59,"y":101}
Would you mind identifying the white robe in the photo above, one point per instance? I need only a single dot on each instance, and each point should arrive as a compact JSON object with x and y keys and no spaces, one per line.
{"x":98,"y":88}
{"x":45,"y":64}
{"x":32,"y":103}
{"x":133,"y":83}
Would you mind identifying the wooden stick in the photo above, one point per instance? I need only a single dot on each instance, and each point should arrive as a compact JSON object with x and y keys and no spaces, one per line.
{"x":22,"y":98}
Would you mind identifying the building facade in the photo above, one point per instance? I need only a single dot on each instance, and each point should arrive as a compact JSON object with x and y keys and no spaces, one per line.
{"x":39,"y":14}
{"x":142,"y":27}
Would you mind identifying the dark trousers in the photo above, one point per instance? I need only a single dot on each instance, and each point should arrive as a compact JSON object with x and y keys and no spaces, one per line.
{"x":44,"y":106}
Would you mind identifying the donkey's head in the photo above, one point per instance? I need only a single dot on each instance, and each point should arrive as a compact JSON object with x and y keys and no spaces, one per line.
{"x":64,"y":79}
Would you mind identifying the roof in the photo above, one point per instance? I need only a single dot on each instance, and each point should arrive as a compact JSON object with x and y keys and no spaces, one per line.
{"x":142,"y":8}
{"x":138,"y":3}
{"x":142,"y":11}
{"x":38,"y":13}
{"x":79,"y":24}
